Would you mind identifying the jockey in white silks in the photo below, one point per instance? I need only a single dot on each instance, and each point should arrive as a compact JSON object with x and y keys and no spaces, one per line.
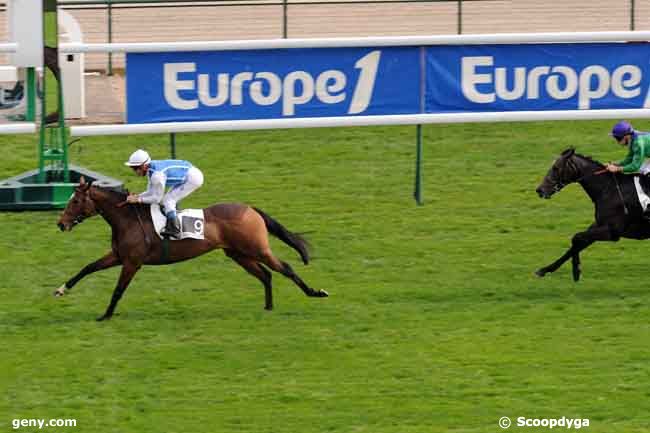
{"x":181,"y":177}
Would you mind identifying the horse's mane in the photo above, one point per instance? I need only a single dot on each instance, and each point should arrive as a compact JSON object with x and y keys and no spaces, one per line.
{"x":114,"y":193}
{"x":589,"y":159}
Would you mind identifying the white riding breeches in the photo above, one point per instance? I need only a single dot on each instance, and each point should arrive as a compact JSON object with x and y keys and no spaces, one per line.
{"x":645,"y":168}
{"x":193,"y":180}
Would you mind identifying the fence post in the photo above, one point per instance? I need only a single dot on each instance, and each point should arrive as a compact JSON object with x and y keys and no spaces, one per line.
{"x":460,"y":17}
{"x":172,"y":144}
{"x":285,"y":20}
{"x":417,"y":193}
{"x":110,"y":34}
{"x":632,"y":14}
{"x":30,"y":91}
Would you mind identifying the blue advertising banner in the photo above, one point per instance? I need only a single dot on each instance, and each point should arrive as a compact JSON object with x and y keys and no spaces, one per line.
{"x":336,"y":82}
{"x":525,"y":77}
{"x":272,"y":84}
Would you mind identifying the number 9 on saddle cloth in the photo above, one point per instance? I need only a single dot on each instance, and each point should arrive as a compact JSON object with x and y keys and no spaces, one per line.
{"x":192,"y":222}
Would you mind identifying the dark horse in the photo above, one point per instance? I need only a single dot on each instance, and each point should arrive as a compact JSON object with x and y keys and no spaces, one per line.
{"x":241,"y":231}
{"x":618,"y":212}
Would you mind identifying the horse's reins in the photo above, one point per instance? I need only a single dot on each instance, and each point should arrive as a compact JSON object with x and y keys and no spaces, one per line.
{"x":620,"y":194}
{"x":561,"y":184}
{"x":147,"y":241}
{"x":618,"y":187}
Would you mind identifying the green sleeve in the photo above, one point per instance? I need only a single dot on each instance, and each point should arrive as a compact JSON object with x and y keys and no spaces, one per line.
{"x":632,"y":163}
{"x":628,"y":158}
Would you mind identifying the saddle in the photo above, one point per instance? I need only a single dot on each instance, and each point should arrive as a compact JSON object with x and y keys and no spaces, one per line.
{"x":192,"y":222}
{"x":642,"y":185}
{"x":644,"y":180}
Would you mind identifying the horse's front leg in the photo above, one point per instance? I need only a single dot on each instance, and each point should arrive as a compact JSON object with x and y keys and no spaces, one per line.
{"x":108,"y":261}
{"x":579,"y":242}
{"x":128,"y":271}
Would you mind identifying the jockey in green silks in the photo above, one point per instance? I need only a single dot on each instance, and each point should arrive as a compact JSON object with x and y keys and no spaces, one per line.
{"x":639,"y":149}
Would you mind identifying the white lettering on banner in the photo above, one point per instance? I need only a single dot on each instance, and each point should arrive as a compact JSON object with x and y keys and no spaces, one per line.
{"x":366,"y":83}
{"x":296,"y":88}
{"x":290,"y":99}
{"x":275,"y":89}
{"x":205,"y":96}
{"x":585,"y":92}
{"x":533,"y":81}
{"x":173,"y":84}
{"x":553,"y":83}
{"x":625,"y":87}
{"x":470,"y":78}
{"x":520,"y":84}
{"x":328,"y":92}
{"x":237,"y":87}
{"x":591,"y":83}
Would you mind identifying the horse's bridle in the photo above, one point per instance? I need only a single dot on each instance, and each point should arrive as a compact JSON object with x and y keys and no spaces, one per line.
{"x":83,"y":216}
{"x":78,"y":220}
{"x":558,"y":186}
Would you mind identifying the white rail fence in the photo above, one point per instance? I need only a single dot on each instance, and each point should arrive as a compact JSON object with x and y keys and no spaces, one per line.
{"x":510,"y":116}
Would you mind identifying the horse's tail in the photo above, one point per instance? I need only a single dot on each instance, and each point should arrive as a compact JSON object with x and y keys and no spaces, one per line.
{"x":294,"y":240}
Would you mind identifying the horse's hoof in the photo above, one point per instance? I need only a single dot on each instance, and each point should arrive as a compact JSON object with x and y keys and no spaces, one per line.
{"x":540,"y":273}
{"x":268,"y":307}
{"x":60,"y":291}
{"x":102,"y":318}
{"x":322,"y":294}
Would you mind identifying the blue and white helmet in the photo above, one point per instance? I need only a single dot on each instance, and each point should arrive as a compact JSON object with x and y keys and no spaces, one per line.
{"x":138,"y":158}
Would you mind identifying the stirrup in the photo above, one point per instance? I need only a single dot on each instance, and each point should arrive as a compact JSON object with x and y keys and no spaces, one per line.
{"x":172,"y":229}
{"x":170,"y":235}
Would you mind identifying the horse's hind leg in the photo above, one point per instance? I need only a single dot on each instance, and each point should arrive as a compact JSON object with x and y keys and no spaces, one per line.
{"x":108,"y":261}
{"x":579,"y":242}
{"x":556,"y":264}
{"x":575,"y":266}
{"x":286,"y":270}
{"x":258,"y":271}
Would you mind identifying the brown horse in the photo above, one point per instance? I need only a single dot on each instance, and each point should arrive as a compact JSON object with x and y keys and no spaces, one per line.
{"x":240,"y":230}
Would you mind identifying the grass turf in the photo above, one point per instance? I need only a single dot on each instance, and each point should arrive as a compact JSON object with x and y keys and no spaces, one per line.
{"x":435,"y":321}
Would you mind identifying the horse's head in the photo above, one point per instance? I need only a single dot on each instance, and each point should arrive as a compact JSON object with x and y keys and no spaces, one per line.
{"x":564,"y":171}
{"x":80,"y":206}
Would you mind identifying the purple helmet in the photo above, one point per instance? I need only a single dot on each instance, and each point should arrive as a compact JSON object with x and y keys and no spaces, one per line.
{"x":621,"y":129}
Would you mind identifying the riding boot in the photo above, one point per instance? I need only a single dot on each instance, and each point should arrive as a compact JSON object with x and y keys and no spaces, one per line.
{"x":172,"y":229}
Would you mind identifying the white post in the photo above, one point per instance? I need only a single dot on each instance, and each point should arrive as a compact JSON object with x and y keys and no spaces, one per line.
{"x":72,"y":68}
{"x":26,"y":30}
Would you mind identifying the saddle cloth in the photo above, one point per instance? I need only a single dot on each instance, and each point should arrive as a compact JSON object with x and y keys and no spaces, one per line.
{"x":642,"y":184}
{"x":192,"y":222}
